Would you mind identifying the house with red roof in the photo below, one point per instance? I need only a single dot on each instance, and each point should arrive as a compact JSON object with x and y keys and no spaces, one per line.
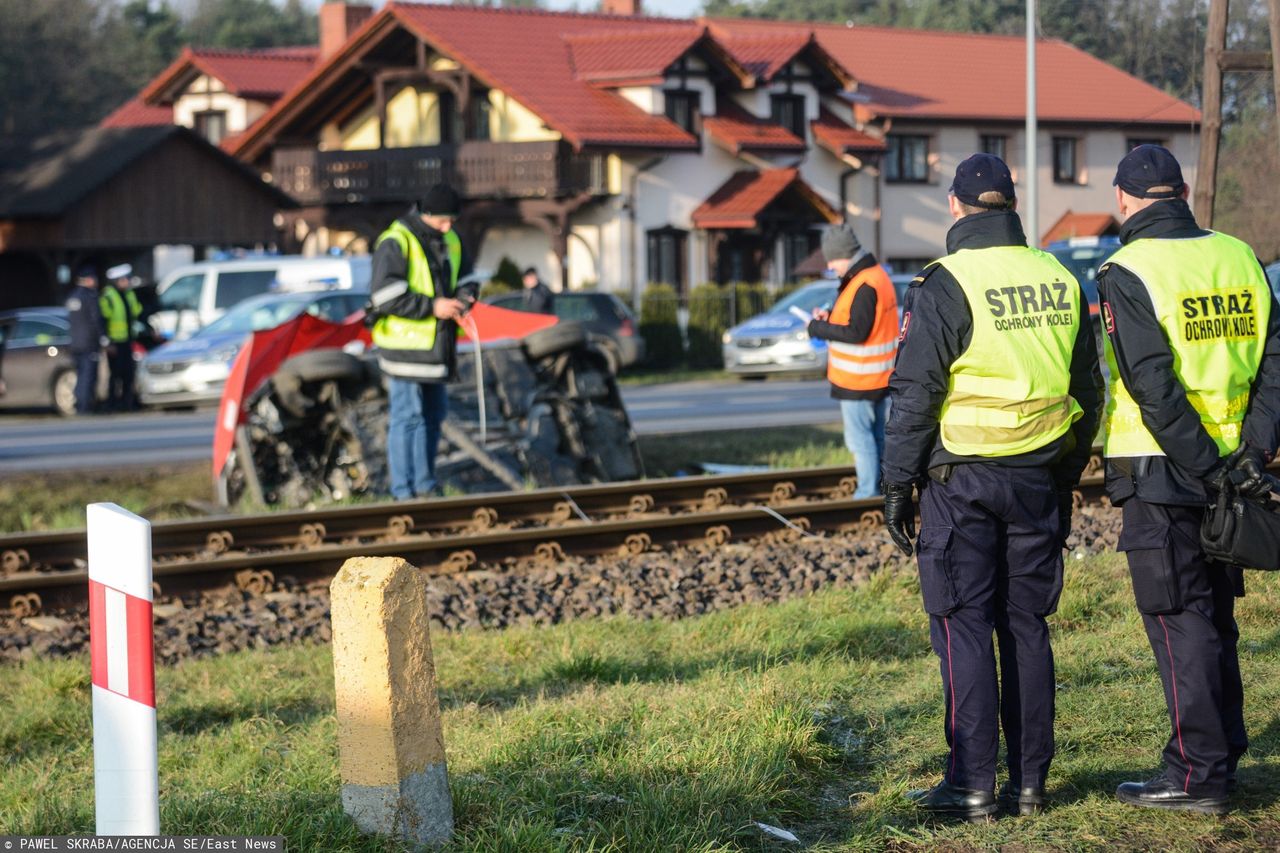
{"x":617,"y":149}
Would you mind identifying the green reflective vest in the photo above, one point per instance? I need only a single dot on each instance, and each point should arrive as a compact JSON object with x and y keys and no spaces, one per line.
{"x":1008,"y":391}
{"x":415,"y":338}
{"x":1212,"y":301}
{"x":117,"y":315}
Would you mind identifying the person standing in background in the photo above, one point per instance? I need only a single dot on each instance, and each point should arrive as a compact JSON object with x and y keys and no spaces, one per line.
{"x":120,"y":314}
{"x":87,"y":336}
{"x":861,"y":331}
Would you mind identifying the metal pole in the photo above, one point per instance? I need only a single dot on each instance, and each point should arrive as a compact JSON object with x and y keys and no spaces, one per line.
{"x":1211,"y":112}
{"x":1031,"y":211}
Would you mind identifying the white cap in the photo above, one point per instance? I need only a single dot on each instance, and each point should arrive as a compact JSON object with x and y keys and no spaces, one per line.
{"x":119,"y":271}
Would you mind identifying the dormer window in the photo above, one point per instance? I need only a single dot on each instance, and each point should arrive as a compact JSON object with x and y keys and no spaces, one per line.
{"x":788,"y":111}
{"x":682,"y":107}
{"x":212,"y":125}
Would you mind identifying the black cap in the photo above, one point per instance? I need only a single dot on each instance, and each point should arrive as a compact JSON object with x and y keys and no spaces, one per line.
{"x":440,"y":200}
{"x":982,"y":173}
{"x":1148,"y":166}
{"x":87,"y":271}
{"x":530,"y":271}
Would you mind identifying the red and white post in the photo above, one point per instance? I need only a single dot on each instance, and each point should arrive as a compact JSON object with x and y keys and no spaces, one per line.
{"x":126,"y":786}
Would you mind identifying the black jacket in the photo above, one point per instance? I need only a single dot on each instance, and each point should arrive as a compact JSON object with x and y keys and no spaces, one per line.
{"x":937,"y":328}
{"x":1145,"y":362}
{"x":862,"y":319}
{"x":539,"y":299}
{"x":85,"y":314}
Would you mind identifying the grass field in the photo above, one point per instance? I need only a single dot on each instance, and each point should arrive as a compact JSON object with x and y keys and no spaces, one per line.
{"x":57,"y":500}
{"x":814,"y":715}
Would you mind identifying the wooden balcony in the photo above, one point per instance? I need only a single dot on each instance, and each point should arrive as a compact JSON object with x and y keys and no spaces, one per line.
{"x":478,"y":170}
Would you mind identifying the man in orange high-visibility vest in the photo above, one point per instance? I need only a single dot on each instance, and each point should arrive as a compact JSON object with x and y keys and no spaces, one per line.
{"x":861,"y":331}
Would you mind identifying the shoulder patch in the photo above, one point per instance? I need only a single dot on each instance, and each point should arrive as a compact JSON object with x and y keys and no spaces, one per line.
{"x":924,"y":274}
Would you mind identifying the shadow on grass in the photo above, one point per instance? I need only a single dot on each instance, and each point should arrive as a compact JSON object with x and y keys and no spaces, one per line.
{"x":883,"y":642}
{"x":193,"y":719}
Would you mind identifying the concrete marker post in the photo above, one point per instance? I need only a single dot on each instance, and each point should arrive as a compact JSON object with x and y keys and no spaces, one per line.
{"x":125,"y":769}
{"x":390,"y":740}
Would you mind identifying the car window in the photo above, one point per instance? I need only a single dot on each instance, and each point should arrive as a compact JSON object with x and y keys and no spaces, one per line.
{"x":239,"y":285}
{"x":1083,"y":263}
{"x":33,"y":332}
{"x":258,"y":313}
{"x":183,"y":294}
{"x":334,"y":310}
{"x":575,"y":308}
{"x":807,"y":299}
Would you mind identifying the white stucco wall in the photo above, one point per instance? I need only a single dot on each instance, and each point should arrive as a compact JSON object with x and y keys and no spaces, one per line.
{"x":208,"y":94}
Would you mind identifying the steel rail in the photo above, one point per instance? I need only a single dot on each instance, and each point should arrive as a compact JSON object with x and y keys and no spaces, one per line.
{"x":213,"y":535}
{"x":451,"y":552}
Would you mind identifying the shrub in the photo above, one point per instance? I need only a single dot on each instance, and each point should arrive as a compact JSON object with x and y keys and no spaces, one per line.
{"x":660,"y":326}
{"x":749,"y":300}
{"x":494,"y":287}
{"x":509,"y":274}
{"x":708,"y":319}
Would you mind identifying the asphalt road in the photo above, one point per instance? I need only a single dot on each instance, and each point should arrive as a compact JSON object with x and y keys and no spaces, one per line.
{"x":49,"y":443}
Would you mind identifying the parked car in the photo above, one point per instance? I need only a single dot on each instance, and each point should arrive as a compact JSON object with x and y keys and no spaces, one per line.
{"x":605,"y":317}
{"x":777,"y":341}
{"x":1082,"y":256}
{"x":1273,"y":278}
{"x":39,"y":370}
{"x":192,"y":371}
{"x":193,"y":296}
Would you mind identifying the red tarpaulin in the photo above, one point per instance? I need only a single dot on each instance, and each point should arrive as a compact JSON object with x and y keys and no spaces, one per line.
{"x":267,"y":350}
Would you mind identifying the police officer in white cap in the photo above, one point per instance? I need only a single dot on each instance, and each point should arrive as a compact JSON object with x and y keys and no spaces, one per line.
{"x":120,"y":313}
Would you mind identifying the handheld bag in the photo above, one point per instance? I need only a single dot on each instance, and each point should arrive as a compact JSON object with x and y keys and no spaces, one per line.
{"x":1242,"y":532}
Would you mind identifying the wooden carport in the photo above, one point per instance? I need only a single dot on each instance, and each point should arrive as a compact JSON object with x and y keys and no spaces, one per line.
{"x":107,"y":195}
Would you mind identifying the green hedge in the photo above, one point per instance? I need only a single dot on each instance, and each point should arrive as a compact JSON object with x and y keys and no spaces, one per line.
{"x":708,"y":319}
{"x":660,"y":326}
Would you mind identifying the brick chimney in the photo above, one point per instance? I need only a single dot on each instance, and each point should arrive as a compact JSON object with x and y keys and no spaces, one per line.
{"x":338,"y":21}
{"x":620,"y":7}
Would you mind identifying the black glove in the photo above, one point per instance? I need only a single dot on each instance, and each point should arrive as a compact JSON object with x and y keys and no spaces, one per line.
{"x":1249,"y":473}
{"x":1066,"y":503}
{"x":900,"y":515}
{"x":1218,"y":480}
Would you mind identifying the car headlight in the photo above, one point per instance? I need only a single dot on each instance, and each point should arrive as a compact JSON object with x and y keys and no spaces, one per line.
{"x":726,"y":338}
{"x":801,"y":335}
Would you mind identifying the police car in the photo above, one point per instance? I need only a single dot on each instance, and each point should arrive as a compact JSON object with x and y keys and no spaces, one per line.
{"x":1083,"y":256}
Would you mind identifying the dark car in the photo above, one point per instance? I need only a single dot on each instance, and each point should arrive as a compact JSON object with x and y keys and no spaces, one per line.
{"x":606,"y":318}
{"x":39,"y":371}
{"x":1082,"y":256}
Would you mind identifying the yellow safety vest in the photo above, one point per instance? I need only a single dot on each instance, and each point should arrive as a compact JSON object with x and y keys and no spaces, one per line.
{"x":1213,"y":303}
{"x":119,"y":316}
{"x":392,"y":333}
{"x":1008,"y":391}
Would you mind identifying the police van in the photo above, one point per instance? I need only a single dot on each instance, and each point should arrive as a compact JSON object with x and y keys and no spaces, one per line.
{"x":193,"y":296}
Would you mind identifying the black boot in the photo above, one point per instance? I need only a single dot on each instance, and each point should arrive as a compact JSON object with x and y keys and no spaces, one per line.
{"x":952,"y":801}
{"x":1020,"y":801}
{"x":1160,"y":793}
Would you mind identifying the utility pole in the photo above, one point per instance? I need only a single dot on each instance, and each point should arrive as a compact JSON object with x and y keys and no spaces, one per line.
{"x":1218,"y":61}
{"x":1031,"y":212}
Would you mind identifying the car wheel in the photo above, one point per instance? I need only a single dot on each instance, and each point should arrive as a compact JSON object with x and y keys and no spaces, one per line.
{"x":554,"y":339}
{"x":63,"y":393}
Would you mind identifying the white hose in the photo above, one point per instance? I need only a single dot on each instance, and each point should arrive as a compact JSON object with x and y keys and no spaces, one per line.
{"x":469,"y":324}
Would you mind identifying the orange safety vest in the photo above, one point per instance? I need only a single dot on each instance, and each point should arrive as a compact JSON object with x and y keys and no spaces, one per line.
{"x":865,"y":366}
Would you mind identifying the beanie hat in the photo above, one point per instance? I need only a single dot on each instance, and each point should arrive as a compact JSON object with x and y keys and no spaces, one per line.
{"x":839,"y":242}
{"x":440,"y":200}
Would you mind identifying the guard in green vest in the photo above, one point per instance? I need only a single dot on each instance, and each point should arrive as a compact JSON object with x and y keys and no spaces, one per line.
{"x":414,"y":308}
{"x":1193,"y":347}
{"x":996,"y":396}
{"x":121,"y":313}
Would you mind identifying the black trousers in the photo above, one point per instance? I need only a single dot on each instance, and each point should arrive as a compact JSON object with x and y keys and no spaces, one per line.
{"x":991,"y":563}
{"x":120,"y":397}
{"x":1188,"y":609}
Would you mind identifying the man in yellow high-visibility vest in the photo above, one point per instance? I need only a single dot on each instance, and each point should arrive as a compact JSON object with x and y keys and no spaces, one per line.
{"x":997,"y":394}
{"x":121,"y":312}
{"x":414,"y":310}
{"x":1193,"y":346}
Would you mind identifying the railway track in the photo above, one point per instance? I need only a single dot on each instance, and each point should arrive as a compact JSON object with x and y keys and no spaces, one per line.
{"x":47,"y":571}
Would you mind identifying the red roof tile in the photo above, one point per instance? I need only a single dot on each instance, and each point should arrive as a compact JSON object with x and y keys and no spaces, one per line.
{"x":930,"y":74}
{"x":764,"y":52}
{"x":495,"y":45}
{"x":839,"y":138}
{"x":737,"y":130}
{"x":636,"y":56}
{"x":1081,"y":225}
{"x":259,"y":74}
{"x":136,"y":112}
{"x":740,"y":200}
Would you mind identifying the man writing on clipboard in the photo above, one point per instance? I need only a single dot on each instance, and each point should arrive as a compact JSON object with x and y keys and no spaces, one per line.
{"x":861,"y":331}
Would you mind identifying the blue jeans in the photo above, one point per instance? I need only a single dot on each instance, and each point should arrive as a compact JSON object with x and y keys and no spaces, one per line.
{"x":413,"y":435}
{"x":864,"y":436}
